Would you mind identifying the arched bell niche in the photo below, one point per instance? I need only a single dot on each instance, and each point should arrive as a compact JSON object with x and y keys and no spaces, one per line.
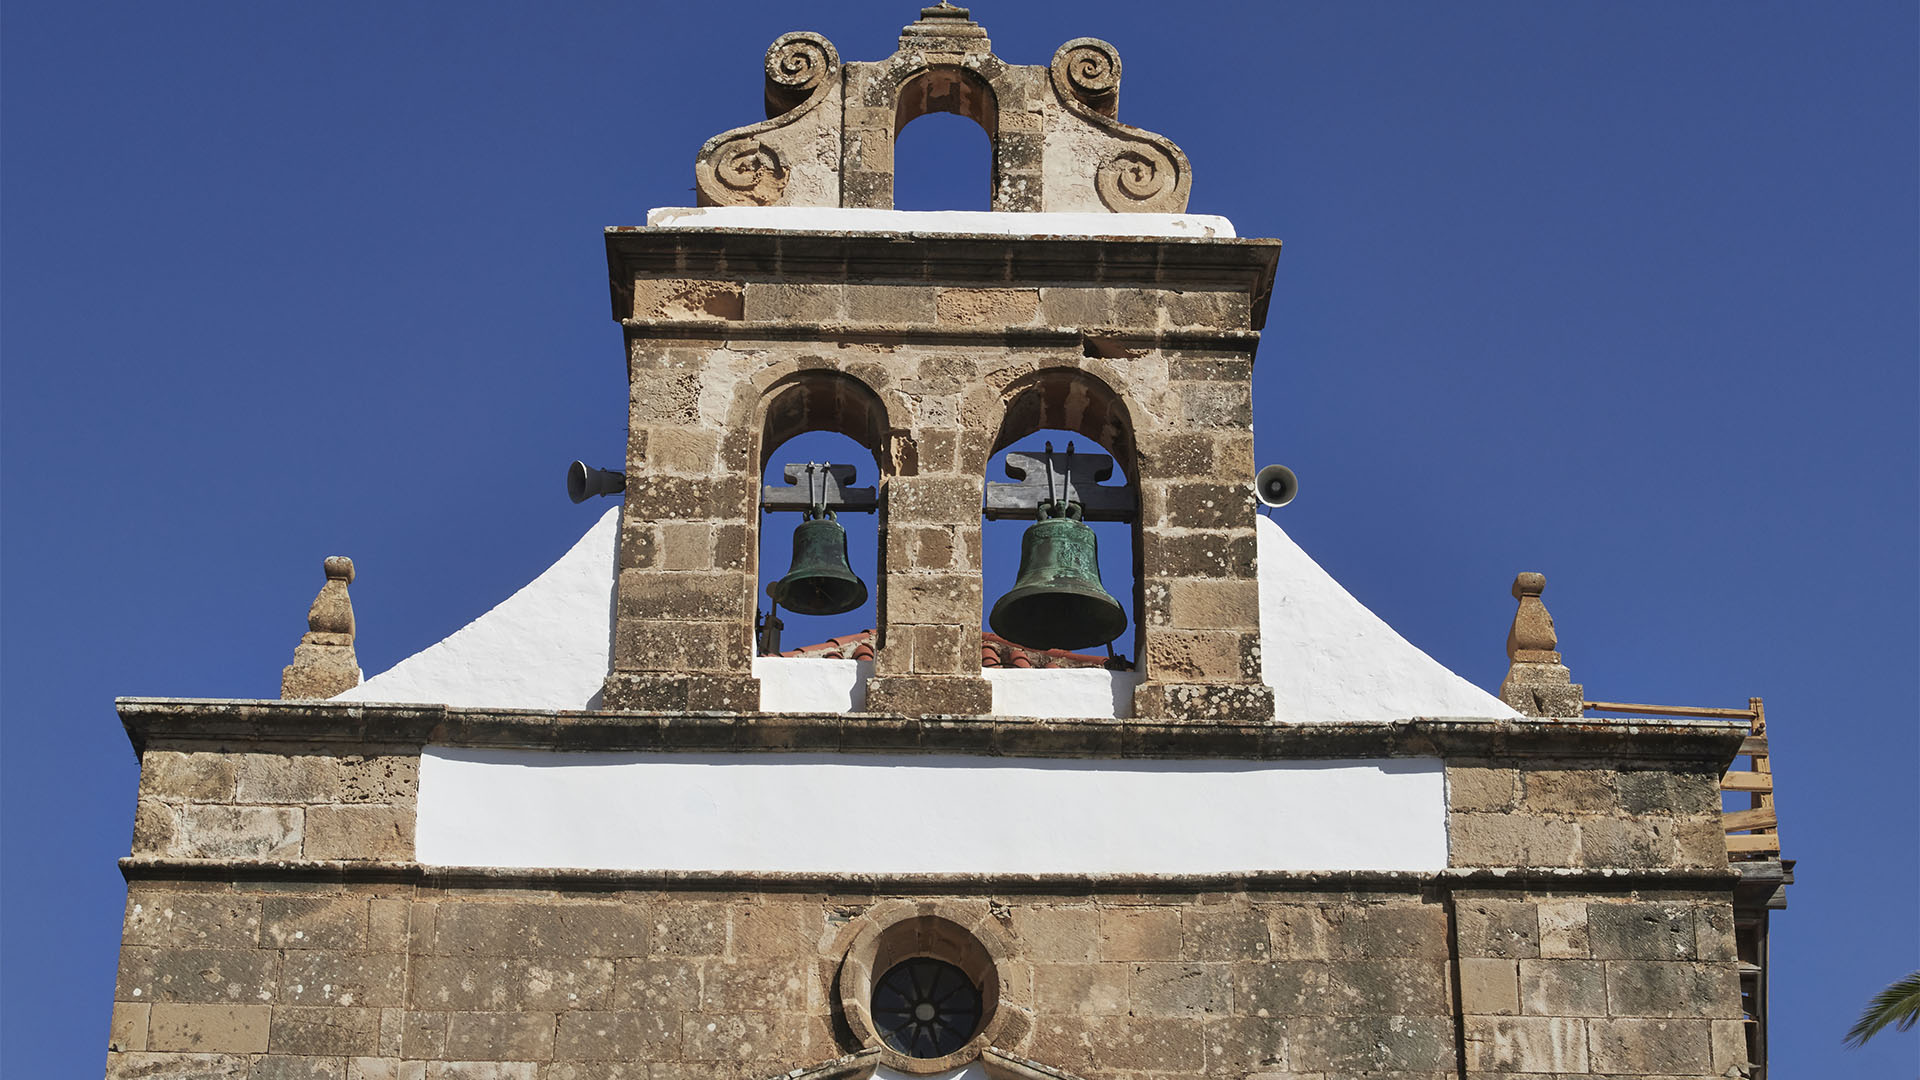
{"x":942,"y":162}
{"x":1068,"y":406}
{"x":825,"y":418}
{"x":946,"y":120}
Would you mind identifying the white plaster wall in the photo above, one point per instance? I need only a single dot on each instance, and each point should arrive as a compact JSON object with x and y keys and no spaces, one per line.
{"x":935,"y":222}
{"x":1330,"y":660}
{"x":807,"y":685}
{"x":877,"y":813}
{"x":1062,"y":692}
{"x":797,"y":684}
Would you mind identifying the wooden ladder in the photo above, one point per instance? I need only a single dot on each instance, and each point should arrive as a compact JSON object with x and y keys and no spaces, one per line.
{"x":1759,"y":824}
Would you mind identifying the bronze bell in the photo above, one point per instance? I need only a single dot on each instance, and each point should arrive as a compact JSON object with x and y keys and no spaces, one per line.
{"x":820,"y":581}
{"x":1057,"y":601}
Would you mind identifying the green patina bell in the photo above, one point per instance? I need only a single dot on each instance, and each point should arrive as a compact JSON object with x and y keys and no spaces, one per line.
{"x":1057,"y":601}
{"x":820,"y":580}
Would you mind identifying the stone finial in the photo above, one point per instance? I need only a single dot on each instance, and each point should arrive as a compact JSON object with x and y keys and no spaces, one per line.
{"x":323,"y":663}
{"x":1537,"y":683}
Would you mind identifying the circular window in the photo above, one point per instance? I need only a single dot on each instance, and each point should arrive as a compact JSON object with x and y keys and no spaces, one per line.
{"x":924,"y":982}
{"x":926,"y":1008}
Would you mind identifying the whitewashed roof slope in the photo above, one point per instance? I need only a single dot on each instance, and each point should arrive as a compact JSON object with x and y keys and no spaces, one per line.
{"x":1328,"y":658}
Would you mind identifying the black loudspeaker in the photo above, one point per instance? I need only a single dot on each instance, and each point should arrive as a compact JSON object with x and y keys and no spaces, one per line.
{"x":584,"y":482}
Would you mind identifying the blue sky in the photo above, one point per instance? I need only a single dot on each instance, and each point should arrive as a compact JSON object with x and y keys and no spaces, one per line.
{"x":1620,"y":293}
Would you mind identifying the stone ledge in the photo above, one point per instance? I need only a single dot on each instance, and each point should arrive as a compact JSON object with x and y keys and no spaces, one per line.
{"x":945,"y":333}
{"x":241,"y":871}
{"x":773,"y":254}
{"x":930,"y":334}
{"x":186,"y":720}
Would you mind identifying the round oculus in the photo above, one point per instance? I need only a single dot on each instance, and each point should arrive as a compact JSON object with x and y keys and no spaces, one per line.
{"x":926,"y":1008}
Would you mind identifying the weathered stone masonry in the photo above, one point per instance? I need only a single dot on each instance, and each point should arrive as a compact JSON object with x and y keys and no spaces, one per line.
{"x":934,"y":353}
{"x":259,"y":943}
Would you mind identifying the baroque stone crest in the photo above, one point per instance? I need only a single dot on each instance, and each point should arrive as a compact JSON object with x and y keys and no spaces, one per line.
{"x":1058,"y":143}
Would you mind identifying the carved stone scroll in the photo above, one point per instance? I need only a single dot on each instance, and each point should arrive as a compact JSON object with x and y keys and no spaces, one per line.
{"x":1138,"y":171}
{"x":792,"y":153}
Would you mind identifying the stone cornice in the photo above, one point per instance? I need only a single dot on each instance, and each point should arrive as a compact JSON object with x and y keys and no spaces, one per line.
{"x":1699,"y":743}
{"x":1241,"y":263}
{"x":721,"y":331}
{"x":1603,"y":880}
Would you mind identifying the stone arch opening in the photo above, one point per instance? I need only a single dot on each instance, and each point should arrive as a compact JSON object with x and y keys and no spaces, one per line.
{"x":1061,"y":405}
{"x":830,"y":418}
{"x":942,"y":162}
{"x":939,"y":167}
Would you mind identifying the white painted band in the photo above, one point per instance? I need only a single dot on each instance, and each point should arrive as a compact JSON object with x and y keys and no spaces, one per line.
{"x":876,"y":813}
{"x":937,"y":222}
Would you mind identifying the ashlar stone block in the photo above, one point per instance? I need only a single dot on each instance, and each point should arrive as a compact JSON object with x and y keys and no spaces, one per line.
{"x":1563,"y":930}
{"x":617,"y":1036}
{"x":1563,"y":988}
{"x":1178,"y":989}
{"x":1526,"y":1044}
{"x":1049,"y":933}
{"x":1489,"y":986}
{"x":285,"y":1067}
{"x":1370,"y":1044}
{"x":315,"y":1032}
{"x":1641,"y":931}
{"x":1497,"y":928}
{"x":1065,"y":989}
{"x":239,"y":832}
{"x":196,"y":976}
{"x":188,"y":776}
{"x":315,"y":922}
{"x":142,"y":1065}
{"x":129,"y":1026}
{"x":191,"y":919}
{"x":1140,"y":933}
{"x":356,"y":833}
{"x":227,"y":1029}
{"x":1664,"y":1047}
{"x":500,"y":1036}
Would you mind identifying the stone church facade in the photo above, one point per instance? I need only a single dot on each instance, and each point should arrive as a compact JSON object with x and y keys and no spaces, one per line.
{"x":1279,"y":843}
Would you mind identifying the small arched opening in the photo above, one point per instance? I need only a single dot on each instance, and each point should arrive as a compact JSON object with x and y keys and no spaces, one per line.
{"x":819,"y":419}
{"x":943,"y":164}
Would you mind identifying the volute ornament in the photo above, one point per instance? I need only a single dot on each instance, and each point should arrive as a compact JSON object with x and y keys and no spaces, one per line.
{"x":797,"y":64}
{"x":752,"y":169}
{"x":1137,"y":178}
{"x":1147,"y":173}
{"x":1090,"y":69}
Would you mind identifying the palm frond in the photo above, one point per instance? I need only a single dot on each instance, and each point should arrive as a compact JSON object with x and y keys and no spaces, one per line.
{"x":1898,"y":1004}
